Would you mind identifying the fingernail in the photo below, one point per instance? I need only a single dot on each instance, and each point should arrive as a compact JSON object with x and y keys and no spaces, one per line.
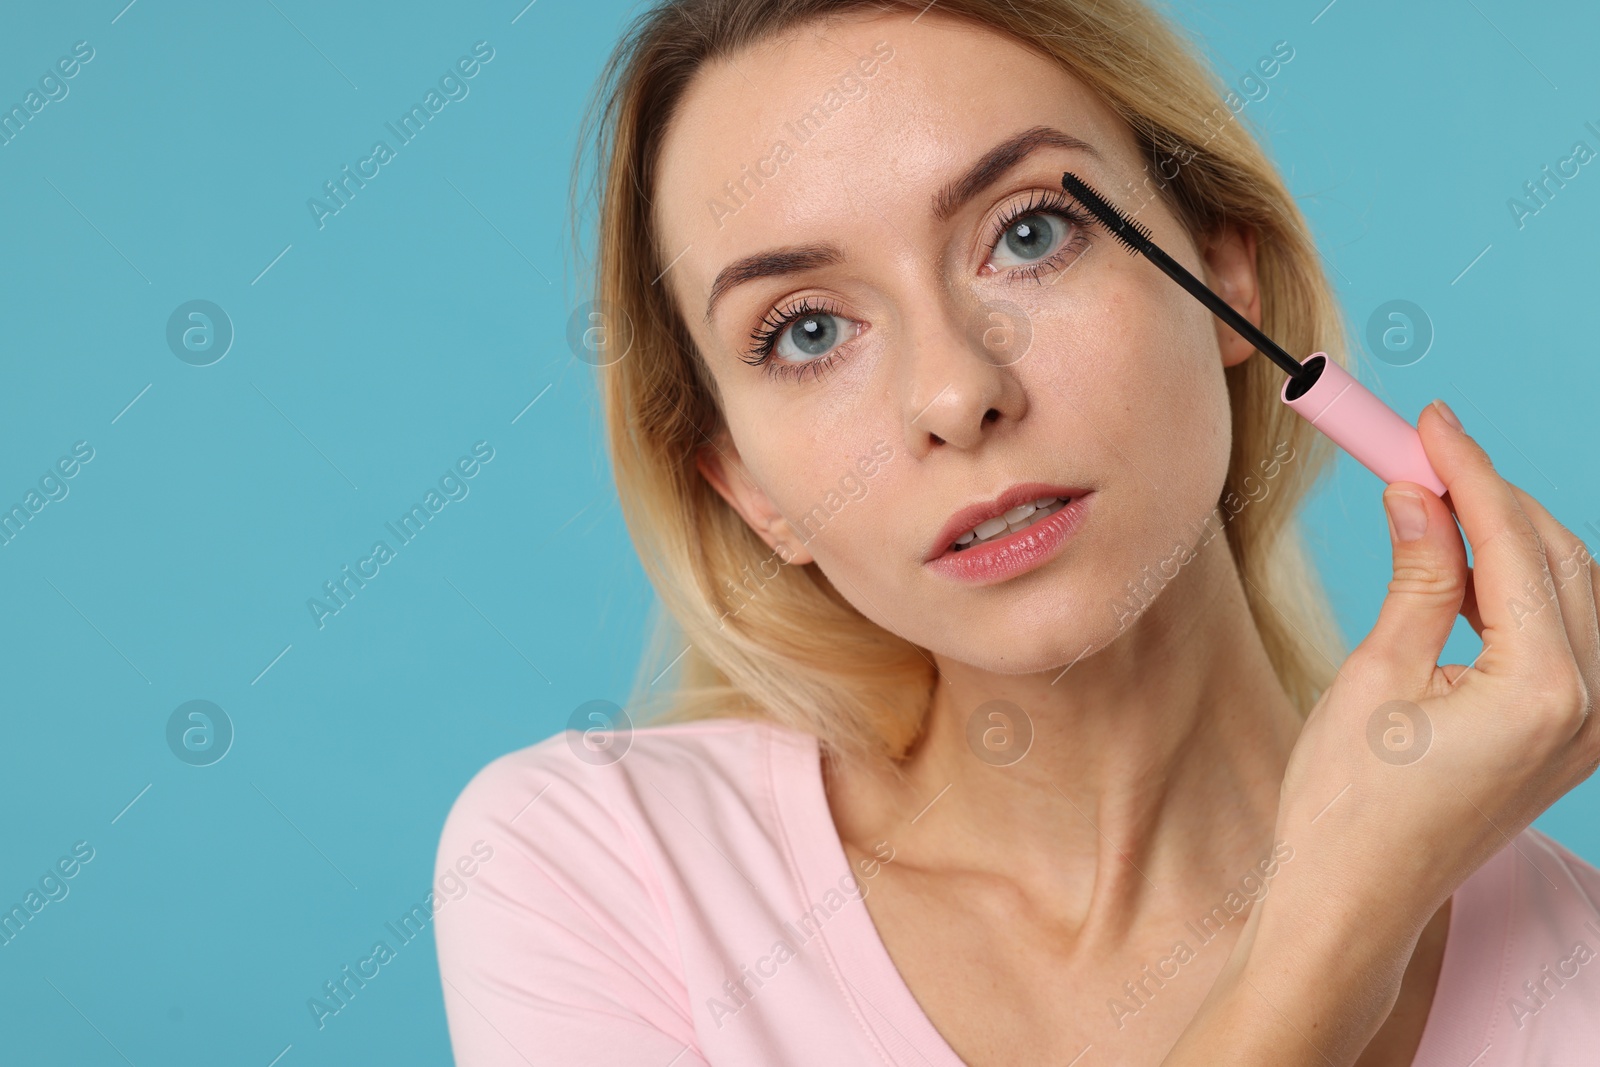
{"x":1450,"y":416}
{"x":1408,"y":519}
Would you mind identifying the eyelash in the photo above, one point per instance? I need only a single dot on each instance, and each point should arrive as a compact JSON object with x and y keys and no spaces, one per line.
{"x":1048,"y":202}
{"x":765,"y":339}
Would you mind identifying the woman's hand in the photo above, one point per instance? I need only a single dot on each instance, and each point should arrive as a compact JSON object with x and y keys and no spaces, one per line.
{"x":1408,"y":776}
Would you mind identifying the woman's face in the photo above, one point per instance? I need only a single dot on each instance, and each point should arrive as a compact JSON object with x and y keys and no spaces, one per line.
{"x":933,"y":332}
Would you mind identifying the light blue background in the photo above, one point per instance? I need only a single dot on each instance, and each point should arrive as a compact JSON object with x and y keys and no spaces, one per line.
{"x":425,"y":317}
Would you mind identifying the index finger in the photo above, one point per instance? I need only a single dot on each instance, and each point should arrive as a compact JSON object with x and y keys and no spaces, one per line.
{"x":1507,"y":552}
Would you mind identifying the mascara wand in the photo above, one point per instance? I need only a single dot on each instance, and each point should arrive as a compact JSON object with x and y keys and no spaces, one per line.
{"x":1320,"y":390}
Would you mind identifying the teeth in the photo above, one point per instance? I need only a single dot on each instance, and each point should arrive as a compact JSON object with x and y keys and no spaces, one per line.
{"x":1018,"y":518}
{"x":989,"y":528}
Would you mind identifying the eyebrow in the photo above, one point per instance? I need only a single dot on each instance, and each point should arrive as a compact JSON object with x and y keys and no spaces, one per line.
{"x":951,"y":197}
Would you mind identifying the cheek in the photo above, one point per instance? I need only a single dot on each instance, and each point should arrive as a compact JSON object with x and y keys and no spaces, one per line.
{"x":1137,"y":367}
{"x":826,"y":479}
{"x":818,"y":449}
{"x":1134,"y":389}
{"x":1187,"y":434}
{"x":1186,"y":416}
{"x":1164,"y":347}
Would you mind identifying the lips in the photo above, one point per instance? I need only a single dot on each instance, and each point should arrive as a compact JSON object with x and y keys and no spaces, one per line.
{"x":976,"y":514}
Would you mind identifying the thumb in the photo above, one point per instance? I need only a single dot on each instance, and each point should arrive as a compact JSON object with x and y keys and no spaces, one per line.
{"x":1426,"y":590}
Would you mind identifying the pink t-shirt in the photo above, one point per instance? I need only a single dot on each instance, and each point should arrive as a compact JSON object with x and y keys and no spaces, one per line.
{"x":690,"y":904}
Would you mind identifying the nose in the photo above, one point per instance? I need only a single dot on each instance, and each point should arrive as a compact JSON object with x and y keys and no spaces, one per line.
{"x":961,"y":385}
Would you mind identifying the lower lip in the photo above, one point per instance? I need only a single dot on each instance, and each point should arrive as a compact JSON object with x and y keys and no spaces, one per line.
{"x":995,"y":561}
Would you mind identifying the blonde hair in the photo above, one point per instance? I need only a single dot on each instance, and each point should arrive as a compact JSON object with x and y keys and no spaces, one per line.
{"x":795,"y":651}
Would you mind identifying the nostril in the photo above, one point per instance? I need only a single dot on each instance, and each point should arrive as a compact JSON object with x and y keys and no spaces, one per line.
{"x":991,"y":415}
{"x":936,"y":438}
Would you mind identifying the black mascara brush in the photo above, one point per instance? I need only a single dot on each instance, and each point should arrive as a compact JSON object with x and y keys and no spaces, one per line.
{"x":1320,"y":390}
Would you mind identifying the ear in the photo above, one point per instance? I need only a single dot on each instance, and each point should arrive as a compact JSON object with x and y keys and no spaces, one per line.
{"x":720,"y":465}
{"x":1230,"y":261}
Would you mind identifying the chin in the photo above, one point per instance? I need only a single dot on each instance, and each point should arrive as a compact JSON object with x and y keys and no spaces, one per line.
{"x":1032,"y":642}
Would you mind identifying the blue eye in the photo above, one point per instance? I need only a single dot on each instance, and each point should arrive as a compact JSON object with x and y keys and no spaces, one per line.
{"x":805,"y":338}
{"x":1046,"y":227}
{"x":1031,"y":237}
{"x":810,"y":336}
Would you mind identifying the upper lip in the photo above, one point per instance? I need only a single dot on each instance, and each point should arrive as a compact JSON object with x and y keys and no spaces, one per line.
{"x":973,"y":514}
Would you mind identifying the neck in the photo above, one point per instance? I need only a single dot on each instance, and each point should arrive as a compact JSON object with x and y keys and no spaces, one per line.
{"x":1154,"y":761}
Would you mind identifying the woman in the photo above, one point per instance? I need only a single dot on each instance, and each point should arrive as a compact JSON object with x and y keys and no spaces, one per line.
{"x":1010,"y":726}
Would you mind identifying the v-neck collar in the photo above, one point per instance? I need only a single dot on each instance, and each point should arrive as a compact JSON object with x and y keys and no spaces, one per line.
{"x":869,"y":981}
{"x":1473,"y":971}
{"x":895,"y":1023}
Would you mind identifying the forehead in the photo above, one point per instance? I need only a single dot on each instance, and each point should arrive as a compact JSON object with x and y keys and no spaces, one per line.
{"x":792,"y":141}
